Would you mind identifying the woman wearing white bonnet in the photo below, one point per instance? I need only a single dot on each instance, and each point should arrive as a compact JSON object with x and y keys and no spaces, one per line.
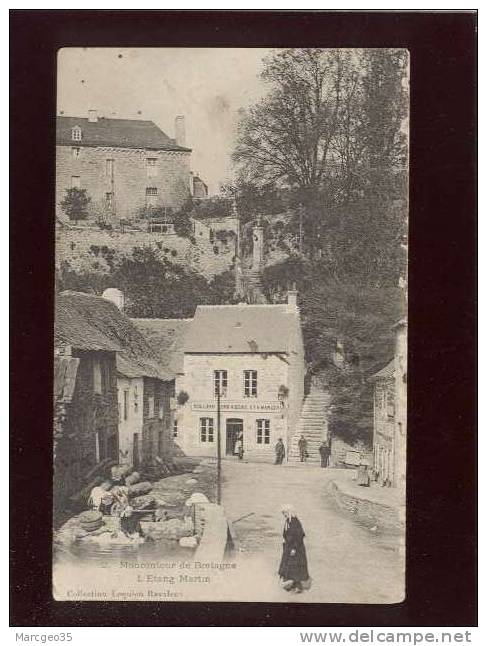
{"x":293,"y":569}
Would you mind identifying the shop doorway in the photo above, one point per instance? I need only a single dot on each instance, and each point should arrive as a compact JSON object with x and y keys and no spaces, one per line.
{"x":234,"y":428}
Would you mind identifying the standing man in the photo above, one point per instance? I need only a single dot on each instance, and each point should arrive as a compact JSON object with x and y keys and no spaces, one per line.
{"x":303,"y":445}
{"x":280,"y":451}
{"x":240,"y":449}
{"x":324,"y":454}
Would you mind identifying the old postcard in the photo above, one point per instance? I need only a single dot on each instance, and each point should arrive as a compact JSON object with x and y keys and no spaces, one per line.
{"x":231,"y":325}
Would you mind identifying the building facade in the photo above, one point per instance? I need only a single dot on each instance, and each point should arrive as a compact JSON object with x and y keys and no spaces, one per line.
{"x":384,"y":411}
{"x":400,"y":394}
{"x":112,"y":399}
{"x":125,"y":166}
{"x":85,"y":396}
{"x":390,"y":415}
{"x":241,"y":377}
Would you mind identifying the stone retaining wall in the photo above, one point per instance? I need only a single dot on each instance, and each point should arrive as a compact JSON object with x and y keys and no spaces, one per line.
{"x":86,"y":248}
{"x":369,"y":512}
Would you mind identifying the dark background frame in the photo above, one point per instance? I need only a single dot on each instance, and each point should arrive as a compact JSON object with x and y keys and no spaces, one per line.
{"x":442,"y":511}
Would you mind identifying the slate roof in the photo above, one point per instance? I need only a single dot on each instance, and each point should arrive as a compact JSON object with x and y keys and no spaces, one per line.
{"x":243,"y":329}
{"x":88,"y":322}
{"x":119,"y":133}
{"x":387,"y":372}
{"x":167,"y":340}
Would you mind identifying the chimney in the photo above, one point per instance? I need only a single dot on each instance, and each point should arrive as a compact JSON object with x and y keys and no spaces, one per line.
{"x":92,"y":116}
{"x":180,"y":131}
{"x":115,"y":296}
{"x":292,"y":300}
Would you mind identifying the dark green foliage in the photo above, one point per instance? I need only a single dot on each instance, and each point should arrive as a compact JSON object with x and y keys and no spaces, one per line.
{"x":182,"y":220}
{"x":153,"y":288}
{"x":212,"y":207}
{"x":182,"y":397}
{"x":253,"y":199}
{"x":75,"y":203}
{"x":223,"y":288}
{"x":154,"y":213}
{"x":357,"y":316}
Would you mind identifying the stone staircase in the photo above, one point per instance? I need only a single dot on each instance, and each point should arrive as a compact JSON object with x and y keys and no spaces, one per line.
{"x":252,"y":285}
{"x":313,"y":424}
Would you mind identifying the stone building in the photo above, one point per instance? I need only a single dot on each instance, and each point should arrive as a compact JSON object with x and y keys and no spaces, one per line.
{"x":383,"y":442}
{"x":144,"y":390}
{"x":85,"y":392}
{"x":400,"y":394}
{"x":197,"y":187}
{"x":390,"y":414}
{"x":166,"y":338}
{"x":253,"y":355}
{"x":124,"y":165}
{"x":111,"y":397}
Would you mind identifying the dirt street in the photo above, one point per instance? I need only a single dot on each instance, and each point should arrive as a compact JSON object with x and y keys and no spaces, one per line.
{"x":348,"y":562}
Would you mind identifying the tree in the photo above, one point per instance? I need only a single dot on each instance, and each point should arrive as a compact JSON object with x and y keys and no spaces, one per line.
{"x":75,"y":203}
{"x":359,"y":318}
{"x":331,"y":131}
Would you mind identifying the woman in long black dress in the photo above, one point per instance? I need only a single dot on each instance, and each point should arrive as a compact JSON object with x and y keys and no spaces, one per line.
{"x":294,"y":564}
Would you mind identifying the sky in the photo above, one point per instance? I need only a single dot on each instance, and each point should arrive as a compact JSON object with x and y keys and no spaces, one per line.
{"x":206,"y":85}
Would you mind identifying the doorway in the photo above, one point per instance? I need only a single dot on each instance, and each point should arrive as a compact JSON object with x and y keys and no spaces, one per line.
{"x":234,"y":428}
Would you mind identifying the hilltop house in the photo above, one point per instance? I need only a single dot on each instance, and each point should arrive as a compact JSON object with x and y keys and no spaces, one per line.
{"x":111,"y":397}
{"x":124,"y":165}
{"x":253,"y":356}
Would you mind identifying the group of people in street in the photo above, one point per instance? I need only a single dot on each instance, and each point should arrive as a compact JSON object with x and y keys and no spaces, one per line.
{"x":324,"y":451}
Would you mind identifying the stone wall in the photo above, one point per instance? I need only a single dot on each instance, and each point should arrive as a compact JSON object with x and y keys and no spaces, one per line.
{"x":127,"y":177}
{"x":372,"y":513}
{"x":85,"y":248}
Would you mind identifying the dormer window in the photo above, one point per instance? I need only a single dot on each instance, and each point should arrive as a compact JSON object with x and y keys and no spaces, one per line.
{"x":76,"y":133}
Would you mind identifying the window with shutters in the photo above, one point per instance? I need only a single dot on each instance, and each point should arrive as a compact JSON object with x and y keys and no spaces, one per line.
{"x":150,"y":402}
{"x":206,"y":429}
{"x":97,"y":383}
{"x":220,"y":382}
{"x":263,"y":431}
{"x":151,"y":196}
{"x":152,"y":167}
{"x":76,"y":133}
{"x":250,"y":383}
{"x":125,"y":404}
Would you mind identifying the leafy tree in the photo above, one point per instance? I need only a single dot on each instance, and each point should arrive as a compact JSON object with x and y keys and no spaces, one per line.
{"x":153,"y":288}
{"x":330,"y":132}
{"x":75,"y":203}
{"x":359,"y":318}
{"x":223,"y":288}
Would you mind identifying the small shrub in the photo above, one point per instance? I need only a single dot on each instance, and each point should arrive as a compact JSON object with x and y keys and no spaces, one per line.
{"x":174,"y":253}
{"x":216,"y":251}
{"x":75,"y":203}
{"x":283,"y":391}
{"x":182,"y":397}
